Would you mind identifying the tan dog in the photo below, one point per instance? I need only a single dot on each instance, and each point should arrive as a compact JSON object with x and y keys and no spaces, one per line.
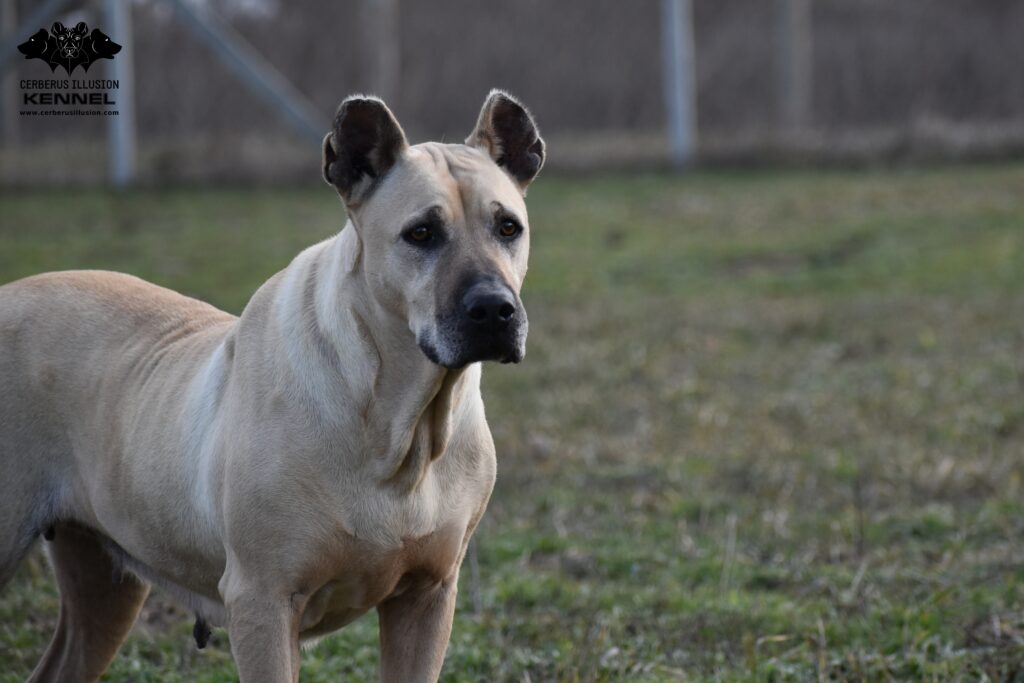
{"x":286,"y":471}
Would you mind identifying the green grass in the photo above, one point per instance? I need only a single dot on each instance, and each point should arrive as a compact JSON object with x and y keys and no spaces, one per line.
{"x":770,"y":426}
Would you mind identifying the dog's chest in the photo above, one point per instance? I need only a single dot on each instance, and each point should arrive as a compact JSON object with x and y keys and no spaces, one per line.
{"x":365,"y":574}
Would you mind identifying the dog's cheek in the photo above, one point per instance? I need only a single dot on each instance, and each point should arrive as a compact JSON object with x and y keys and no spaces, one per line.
{"x":443,"y":340}
{"x":418,"y":297}
{"x":425,"y":329}
{"x":436,"y":345}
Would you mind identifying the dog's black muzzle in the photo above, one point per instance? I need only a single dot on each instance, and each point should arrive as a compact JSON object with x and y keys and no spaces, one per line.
{"x":488,"y":323}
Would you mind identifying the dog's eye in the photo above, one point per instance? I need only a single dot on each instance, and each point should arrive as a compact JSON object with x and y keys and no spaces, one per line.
{"x":419,"y":234}
{"x":509,"y":228}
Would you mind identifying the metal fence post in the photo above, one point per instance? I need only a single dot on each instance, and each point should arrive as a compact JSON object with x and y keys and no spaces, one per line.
{"x":8,"y":80}
{"x":795,"y":62}
{"x":121,"y":128}
{"x":386,"y":53}
{"x":680,"y":80}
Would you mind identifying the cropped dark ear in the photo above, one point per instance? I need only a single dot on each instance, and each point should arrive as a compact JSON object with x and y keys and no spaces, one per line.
{"x":364,"y":143}
{"x":57,"y":27}
{"x":506,"y":131}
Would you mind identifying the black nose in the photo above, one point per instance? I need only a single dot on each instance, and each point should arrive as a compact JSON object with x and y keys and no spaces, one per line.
{"x":487,"y":303}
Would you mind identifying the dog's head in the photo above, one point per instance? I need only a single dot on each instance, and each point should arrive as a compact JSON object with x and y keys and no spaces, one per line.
{"x":36,"y":46}
{"x":442,"y":229}
{"x":69,"y":40}
{"x":102,"y":46}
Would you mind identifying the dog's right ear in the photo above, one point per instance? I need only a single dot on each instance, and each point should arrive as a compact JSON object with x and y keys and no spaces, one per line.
{"x":364,"y":143}
{"x":57,"y":27}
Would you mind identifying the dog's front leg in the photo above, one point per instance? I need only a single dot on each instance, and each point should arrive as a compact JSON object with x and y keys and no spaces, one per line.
{"x":414,"y":632}
{"x":263,"y":625}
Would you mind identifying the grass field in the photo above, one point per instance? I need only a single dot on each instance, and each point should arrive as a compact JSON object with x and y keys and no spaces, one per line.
{"x":770,"y":426}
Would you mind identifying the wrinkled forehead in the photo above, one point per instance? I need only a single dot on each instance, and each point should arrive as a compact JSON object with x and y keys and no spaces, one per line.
{"x":464,"y":181}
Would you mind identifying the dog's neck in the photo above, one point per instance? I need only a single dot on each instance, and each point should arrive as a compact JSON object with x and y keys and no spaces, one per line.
{"x":361,"y":367}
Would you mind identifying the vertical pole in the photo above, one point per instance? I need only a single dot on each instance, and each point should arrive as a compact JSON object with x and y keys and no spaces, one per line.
{"x":680,"y":80}
{"x":121,"y":69}
{"x":386,"y":49}
{"x":9,"y":104}
{"x":795,"y":63}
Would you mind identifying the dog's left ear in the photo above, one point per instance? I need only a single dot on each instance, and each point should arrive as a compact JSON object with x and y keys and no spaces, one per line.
{"x":507,"y":132}
{"x":364,"y":143}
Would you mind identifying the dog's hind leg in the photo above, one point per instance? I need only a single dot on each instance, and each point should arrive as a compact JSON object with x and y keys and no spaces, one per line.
{"x":20,"y":516}
{"x":28,"y":508}
{"x":98,"y":606}
{"x":14,"y":544}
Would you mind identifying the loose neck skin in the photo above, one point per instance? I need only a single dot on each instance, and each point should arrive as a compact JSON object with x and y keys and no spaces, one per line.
{"x":360,"y":366}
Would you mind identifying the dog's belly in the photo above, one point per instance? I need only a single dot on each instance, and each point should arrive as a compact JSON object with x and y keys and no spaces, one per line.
{"x":199,"y":596}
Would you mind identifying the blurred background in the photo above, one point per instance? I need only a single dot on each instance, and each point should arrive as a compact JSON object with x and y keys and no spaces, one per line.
{"x":770,"y":426}
{"x":759,"y":80}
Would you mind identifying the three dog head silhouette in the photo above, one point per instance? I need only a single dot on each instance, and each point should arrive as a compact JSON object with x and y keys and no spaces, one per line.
{"x":69,"y":47}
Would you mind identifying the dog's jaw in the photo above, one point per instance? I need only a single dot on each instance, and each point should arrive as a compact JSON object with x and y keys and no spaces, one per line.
{"x":429,"y":351}
{"x":448,"y":348}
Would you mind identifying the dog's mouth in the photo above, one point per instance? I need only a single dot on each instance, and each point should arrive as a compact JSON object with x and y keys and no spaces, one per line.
{"x":504,"y":351}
